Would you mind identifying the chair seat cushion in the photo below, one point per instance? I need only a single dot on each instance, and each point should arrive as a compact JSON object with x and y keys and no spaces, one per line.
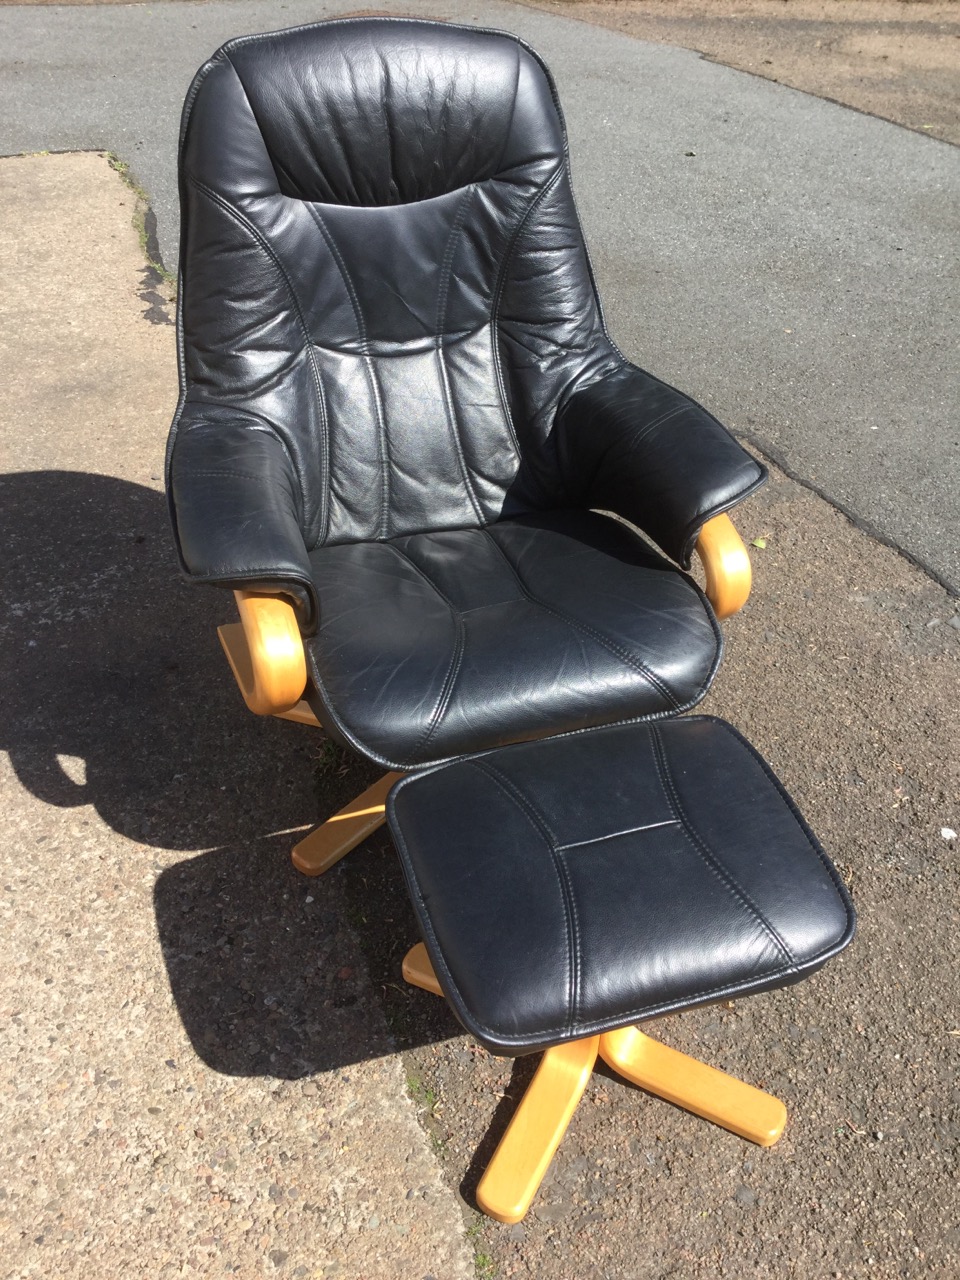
{"x":575,"y":885}
{"x":436,"y":644}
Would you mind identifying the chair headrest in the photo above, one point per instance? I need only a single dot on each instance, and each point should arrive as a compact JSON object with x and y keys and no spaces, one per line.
{"x":380,"y":111}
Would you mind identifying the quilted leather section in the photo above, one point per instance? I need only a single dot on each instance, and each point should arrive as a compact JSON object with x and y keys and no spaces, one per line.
{"x":575,"y":885}
{"x":439,"y":643}
{"x":382,"y":264}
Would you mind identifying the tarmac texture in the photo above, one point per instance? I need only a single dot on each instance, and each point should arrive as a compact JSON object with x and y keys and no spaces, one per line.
{"x":896,"y":59}
{"x":794,"y":264}
{"x":213,"y":1067}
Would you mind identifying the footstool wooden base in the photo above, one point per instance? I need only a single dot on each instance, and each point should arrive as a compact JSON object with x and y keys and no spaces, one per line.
{"x":572,"y":888}
{"x":536,"y":1129}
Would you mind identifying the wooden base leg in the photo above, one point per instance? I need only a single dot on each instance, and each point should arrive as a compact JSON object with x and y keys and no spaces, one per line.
{"x":538,"y":1125}
{"x":519,"y":1163}
{"x":419,"y":972}
{"x":325,"y":846}
{"x":693,"y":1085}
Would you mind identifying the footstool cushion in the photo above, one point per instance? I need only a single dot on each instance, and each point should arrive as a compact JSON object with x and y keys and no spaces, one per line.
{"x":577,"y":884}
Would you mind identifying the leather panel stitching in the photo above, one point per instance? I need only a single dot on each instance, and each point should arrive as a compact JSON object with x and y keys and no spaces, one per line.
{"x":643,"y":1012}
{"x":576,"y":624}
{"x":369,"y":369}
{"x":791,"y":806}
{"x":614,"y":835}
{"x":533,"y":814}
{"x":706,"y":853}
{"x":388,"y":762}
{"x":498,"y":296}
{"x":456,"y":661}
{"x":446,"y":272}
{"x":545,"y":1038}
{"x":266,"y":246}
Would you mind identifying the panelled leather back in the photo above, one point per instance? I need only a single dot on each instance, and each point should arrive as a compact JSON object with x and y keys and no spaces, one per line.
{"x":382,"y":265}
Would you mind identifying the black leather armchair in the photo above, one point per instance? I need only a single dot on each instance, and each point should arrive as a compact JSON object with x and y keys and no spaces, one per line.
{"x":401,"y":414}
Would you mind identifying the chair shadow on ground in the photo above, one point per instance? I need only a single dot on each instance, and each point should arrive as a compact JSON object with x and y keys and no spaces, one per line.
{"x":114,"y":669}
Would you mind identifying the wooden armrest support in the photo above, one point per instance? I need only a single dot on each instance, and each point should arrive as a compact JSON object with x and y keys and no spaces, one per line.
{"x":726,"y":566}
{"x":265,"y":652}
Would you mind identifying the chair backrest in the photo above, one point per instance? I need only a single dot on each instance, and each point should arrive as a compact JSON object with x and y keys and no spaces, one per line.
{"x":381,"y":262}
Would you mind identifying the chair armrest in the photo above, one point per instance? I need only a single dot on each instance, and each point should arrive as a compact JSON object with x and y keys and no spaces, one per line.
{"x":235,"y":505}
{"x":631,"y":444}
{"x":267,"y":656}
{"x":726,"y":566}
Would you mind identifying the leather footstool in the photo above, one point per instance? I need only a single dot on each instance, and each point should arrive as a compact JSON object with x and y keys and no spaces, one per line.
{"x":570,"y":888}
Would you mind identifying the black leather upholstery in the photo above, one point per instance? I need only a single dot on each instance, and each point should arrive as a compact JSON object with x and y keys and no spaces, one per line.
{"x":530,"y":626}
{"x":583,"y":883}
{"x":389,"y":328}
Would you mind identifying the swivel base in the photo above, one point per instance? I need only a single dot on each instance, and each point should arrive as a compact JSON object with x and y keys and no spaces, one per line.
{"x":333,"y":839}
{"x":521,"y":1160}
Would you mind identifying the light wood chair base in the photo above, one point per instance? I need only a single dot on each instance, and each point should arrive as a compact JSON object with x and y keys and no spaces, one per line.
{"x":731,"y":1103}
{"x":536,"y":1129}
{"x":333,"y":839}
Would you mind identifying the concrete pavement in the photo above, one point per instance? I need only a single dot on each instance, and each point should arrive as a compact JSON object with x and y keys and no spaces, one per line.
{"x":130,"y":767}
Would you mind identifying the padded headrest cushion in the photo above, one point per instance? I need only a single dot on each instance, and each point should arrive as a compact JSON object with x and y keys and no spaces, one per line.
{"x":387,"y":111}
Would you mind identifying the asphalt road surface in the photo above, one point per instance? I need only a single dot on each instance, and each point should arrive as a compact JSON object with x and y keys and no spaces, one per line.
{"x":792,"y":263}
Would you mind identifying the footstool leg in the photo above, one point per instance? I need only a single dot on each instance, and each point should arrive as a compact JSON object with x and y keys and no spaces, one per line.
{"x":333,"y":840}
{"x":523,"y":1156}
{"x":536,"y":1130}
{"x":693,"y":1085}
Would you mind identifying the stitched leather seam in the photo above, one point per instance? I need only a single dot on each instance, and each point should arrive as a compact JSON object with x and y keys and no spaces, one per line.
{"x":548,"y":1034}
{"x":499,"y":171}
{"x":629,"y":1016}
{"x":388,"y":762}
{"x":368,"y":365}
{"x":605,"y":643}
{"x":268,"y":249}
{"x":409,"y":763}
{"x":613,"y":835}
{"x":198,"y":422}
{"x":717,"y":642}
{"x":266,"y":573}
{"x":498,"y":296}
{"x":794,"y":811}
{"x":324,"y":513}
{"x":446,"y":271}
{"x":452,"y":339}
{"x":242,"y":475}
{"x":707,"y":855}
{"x":501,"y":389}
{"x":453,"y":670}
{"x":533,"y":814}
